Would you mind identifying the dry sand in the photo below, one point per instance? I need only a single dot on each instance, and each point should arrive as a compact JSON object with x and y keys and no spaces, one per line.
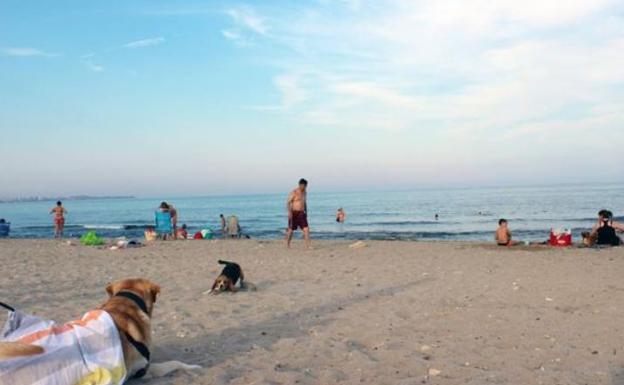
{"x":388,"y":313}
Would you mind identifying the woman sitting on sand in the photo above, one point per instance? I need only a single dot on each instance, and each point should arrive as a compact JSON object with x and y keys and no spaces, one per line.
{"x":604,"y":232}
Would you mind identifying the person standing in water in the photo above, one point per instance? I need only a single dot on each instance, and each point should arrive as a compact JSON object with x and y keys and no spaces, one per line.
{"x":59,"y":219}
{"x":297,"y":208}
{"x":340,"y":215}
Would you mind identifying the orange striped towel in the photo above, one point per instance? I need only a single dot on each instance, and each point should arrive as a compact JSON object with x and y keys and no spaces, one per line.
{"x":82,"y":352}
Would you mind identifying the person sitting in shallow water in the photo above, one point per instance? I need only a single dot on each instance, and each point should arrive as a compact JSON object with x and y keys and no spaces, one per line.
{"x":503,"y":234}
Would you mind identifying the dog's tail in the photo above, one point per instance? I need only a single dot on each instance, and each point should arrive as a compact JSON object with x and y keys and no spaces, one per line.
{"x":16,"y":349}
{"x":222,"y":262}
{"x":164,"y":368}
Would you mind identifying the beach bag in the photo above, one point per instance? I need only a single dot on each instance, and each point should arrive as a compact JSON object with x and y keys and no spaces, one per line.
{"x":207,"y":234}
{"x":91,"y":239}
{"x":560,"y":238}
{"x":198,"y":235}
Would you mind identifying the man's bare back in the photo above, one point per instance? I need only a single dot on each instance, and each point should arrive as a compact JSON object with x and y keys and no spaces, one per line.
{"x":503,"y":236}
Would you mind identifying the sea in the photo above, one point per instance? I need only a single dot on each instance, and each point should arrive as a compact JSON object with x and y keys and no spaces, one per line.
{"x":464,"y":214}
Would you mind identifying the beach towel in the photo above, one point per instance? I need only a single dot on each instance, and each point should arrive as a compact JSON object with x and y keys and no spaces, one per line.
{"x":91,"y":239}
{"x":82,"y":352}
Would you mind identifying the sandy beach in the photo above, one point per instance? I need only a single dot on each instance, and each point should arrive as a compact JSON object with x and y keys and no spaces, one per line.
{"x":388,"y":313}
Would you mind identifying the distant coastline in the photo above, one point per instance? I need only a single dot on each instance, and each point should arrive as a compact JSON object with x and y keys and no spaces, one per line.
{"x":67,"y":198}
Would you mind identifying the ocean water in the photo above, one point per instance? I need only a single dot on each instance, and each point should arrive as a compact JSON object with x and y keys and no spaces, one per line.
{"x":464,"y":214}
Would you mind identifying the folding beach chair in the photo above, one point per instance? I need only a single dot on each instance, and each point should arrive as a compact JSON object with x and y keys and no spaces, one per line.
{"x":164,"y":228}
{"x":233,"y":228}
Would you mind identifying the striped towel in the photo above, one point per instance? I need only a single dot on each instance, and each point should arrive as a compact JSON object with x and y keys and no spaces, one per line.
{"x":82,"y":352}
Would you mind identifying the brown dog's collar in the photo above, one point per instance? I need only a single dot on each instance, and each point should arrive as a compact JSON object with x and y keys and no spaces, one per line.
{"x":134,"y":298}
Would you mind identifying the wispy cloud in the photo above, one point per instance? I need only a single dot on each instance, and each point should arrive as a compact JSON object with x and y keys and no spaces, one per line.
{"x":248,"y":18}
{"x":26,"y":52}
{"x":236,"y":37}
{"x":93,"y":66}
{"x":145,"y":42}
{"x":464,"y":70}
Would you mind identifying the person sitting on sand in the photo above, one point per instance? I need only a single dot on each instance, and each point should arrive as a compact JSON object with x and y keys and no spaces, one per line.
{"x":182,"y":233}
{"x":59,"y":219}
{"x":503,"y":234}
{"x":150,"y":234}
{"x":340,"y":215}
{"x":604,"y":232}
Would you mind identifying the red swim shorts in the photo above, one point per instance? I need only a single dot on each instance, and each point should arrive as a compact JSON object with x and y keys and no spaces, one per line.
{"x":59,"y":221}
{"x":299,"y":220}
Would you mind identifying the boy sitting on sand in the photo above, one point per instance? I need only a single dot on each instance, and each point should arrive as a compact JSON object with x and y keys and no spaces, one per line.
{"x":503,"y":234}
{"x":182,"y":233}
{"x":150,"y":234}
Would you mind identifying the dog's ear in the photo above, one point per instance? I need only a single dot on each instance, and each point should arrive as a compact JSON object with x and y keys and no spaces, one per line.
{"x":154,"y":291}
{"x":110,"y":289}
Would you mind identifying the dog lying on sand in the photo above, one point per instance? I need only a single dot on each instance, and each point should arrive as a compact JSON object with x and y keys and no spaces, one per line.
{"x":107,"y":346}
{"x":230,"y":275}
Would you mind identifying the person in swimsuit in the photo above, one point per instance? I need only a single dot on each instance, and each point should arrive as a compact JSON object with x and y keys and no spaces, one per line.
{"x":503,"y":234}
{"x":174,"y":217}
{"x":297,"y":209}
{"x":223,"y":226}
{"x":604,"y":232}
{"x":59,"y":219}
{"x":340,"y":215}
{"x":182,"y":233}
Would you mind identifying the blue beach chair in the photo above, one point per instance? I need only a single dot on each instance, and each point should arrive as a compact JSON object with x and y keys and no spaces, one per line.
{"x":164,"y":227}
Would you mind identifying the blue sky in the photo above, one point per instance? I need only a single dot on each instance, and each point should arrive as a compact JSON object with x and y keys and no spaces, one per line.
{"x":163,"y":97}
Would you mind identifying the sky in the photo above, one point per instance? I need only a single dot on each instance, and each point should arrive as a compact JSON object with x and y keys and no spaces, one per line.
{"x":183,"y":97}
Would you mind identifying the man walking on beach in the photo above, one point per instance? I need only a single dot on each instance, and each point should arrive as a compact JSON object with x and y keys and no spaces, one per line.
{"x":59,"y":219}
{"x":297,"y":208}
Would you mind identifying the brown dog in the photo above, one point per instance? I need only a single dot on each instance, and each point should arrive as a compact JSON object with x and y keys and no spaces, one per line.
{"x":130,"y":304}
{"x":130,"y":307}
